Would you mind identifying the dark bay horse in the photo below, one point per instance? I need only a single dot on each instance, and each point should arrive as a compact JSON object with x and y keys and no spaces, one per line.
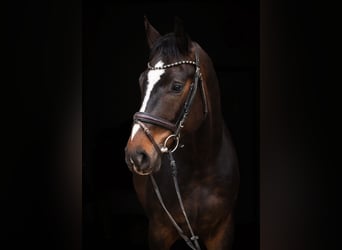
{"x":184,"y":164}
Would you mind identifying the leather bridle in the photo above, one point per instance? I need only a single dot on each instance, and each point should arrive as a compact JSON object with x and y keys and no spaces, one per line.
{"x":144,"y":117}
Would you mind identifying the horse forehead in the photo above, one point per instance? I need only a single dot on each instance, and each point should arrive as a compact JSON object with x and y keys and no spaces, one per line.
{"x":153,"y":76}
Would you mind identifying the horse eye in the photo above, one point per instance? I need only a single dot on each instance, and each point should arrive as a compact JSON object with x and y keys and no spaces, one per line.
{"x":177,"y":87}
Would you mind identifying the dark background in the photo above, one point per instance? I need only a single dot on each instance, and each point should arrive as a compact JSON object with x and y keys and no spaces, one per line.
{"x":299,"y":99}
{"x":115,"y":52}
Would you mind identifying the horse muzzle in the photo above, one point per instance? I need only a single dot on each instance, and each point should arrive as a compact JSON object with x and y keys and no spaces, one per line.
{"x":141,"y":162}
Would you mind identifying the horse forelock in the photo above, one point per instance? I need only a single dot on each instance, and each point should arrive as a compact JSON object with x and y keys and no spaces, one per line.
{"x":166,"y":48}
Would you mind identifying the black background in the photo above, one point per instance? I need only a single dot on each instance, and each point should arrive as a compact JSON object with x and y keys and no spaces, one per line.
{"x":41,"y":90}
{"x":115,"y":52}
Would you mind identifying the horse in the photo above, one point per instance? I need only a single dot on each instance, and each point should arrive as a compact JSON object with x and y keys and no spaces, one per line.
{"x":182,"y":157}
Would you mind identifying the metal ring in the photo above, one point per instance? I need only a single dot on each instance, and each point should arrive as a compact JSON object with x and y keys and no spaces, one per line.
{"x":165,"y":148}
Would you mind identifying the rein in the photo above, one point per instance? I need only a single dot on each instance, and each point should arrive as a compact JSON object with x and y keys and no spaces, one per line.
{"x":143,"y":117}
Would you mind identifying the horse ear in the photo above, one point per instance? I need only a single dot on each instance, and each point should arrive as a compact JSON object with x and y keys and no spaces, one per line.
{"x":182,"y":38}
{"x":151,"y":33}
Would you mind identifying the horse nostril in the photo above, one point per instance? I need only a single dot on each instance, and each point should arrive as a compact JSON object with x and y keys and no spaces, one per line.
{"x":141,"y":160}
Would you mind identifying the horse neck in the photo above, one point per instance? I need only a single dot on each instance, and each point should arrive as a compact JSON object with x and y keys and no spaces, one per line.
{"x":207,"y":139}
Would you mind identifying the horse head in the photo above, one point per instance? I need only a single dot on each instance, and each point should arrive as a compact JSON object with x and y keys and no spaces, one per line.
{"x":173,"y":98}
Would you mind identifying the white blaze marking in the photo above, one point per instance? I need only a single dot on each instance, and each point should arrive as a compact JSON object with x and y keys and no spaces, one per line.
{"x":134,"y":130}
{"x":153,"y":76}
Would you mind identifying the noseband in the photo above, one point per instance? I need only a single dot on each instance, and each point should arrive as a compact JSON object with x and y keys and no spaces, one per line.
{"x":143,"y":117}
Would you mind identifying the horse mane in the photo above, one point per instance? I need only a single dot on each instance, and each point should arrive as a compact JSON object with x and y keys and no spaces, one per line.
{"x":167,"y":47}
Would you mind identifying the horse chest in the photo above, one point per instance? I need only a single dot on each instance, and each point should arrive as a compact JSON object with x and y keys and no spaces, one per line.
{"x":200,"y":202}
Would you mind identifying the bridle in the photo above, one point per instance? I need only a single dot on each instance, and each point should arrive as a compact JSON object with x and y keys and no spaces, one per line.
{"x":175,"y":128}
{"x":142,"y":117}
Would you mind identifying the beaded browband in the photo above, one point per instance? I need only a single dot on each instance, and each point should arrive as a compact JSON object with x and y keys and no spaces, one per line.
{"x":172,"y":65}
